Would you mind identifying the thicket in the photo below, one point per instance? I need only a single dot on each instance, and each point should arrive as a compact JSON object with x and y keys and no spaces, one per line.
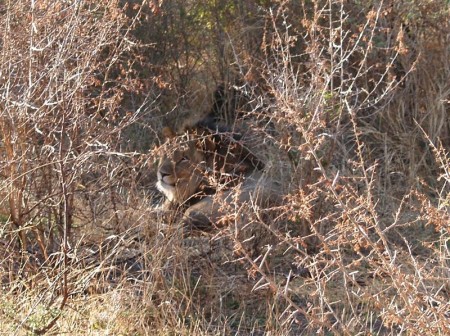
{"x":354,"y":95}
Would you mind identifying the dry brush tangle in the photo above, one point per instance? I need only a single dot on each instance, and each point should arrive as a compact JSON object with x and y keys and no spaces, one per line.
{"x":343,"y":130}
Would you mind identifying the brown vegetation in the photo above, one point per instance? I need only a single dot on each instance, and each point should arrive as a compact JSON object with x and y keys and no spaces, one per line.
{"x":345,"y":102}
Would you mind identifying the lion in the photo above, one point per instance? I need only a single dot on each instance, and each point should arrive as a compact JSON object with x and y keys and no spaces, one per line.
{"x":211,"y":173}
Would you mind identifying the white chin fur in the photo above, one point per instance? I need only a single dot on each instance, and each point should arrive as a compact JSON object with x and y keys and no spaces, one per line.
{"x":167,"y":190}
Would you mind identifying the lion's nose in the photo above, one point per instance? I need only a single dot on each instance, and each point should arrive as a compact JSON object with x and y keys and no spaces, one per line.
{"x":163,"y":175}
{"x":160,"y":175}
{"x":166,"y":178}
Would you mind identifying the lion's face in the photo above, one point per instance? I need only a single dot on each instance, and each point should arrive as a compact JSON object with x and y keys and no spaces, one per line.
{"x":181,"y":170}
{"x":193,"y":160}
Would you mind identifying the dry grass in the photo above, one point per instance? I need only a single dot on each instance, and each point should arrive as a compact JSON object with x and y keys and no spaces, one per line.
{"x":348,"y":104}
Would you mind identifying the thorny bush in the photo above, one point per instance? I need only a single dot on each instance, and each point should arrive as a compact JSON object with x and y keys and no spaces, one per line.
{"x":347,"y":104}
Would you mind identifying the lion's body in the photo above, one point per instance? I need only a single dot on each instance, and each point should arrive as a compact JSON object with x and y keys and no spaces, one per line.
{"x":213,"y":175}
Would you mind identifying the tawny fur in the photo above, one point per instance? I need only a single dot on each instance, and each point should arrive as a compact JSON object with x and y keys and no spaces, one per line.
{"x":213,"y":175}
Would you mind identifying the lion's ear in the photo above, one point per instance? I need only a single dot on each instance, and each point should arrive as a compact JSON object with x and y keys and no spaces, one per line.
{"x":168,"y":133}
{"x":208,"y":144}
